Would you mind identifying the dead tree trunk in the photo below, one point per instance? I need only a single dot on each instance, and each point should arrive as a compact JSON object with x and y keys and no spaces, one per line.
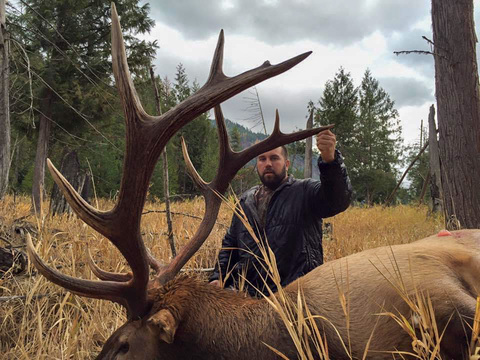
{"x":70,"y":168}
{"x":166,"y":186}
{"x":425,"y":184}
{"x":458,"y":107}
{"x":4,"y":104}
{"x":41,"y":154}
{"x":87,"y":187}
{"x":435,"y":174}
{"x":307,"y":171}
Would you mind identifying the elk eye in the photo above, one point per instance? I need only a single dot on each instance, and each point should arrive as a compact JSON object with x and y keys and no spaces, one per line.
{"x":123,"y":349}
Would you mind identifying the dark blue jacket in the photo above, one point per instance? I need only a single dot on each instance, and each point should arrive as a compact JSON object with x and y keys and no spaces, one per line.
{"x":293,"y":228}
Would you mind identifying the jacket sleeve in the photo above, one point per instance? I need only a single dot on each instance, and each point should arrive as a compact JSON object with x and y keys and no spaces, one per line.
{"x":228,"y":255}
{"x":333,"y":193}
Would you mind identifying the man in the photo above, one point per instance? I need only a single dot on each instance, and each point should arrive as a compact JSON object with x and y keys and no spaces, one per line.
{"x":287,"y":214}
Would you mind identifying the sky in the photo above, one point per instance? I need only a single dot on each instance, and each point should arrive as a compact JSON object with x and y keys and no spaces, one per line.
{"x":353,"y":34}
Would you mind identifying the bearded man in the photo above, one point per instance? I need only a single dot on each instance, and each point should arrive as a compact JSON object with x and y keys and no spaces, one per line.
{"x":286,"y":214}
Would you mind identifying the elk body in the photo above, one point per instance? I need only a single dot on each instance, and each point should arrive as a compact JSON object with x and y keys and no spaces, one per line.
{"x":200,"y":321}
{"x":176,"y":317}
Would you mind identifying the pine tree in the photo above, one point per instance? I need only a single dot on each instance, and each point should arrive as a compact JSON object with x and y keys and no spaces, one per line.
{"x":235,"y":139}
{"x":70,"y":43}
{"x":181,"y":87}
{"x":368,"y":132}
{"x":339,"y":105}
{"x":377,"y":142}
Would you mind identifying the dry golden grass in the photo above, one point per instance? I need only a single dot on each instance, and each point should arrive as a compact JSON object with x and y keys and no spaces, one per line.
{"x":361,"y":228}
{"x":63,"y":326}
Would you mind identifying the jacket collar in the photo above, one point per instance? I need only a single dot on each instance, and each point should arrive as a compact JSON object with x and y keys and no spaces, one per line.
{"x":249,"y":195}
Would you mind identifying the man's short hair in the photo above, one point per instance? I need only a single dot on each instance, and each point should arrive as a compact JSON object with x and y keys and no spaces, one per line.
{"x":284,"y":151}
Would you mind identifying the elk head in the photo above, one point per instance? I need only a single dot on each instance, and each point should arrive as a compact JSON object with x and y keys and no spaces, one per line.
{"x":146,"y":137}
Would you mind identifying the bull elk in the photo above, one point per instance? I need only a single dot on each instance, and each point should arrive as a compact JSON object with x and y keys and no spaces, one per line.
{"x":180,"y":317}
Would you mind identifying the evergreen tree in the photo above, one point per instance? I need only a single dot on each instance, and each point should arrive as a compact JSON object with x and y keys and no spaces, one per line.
{"x":296,"y":155}
{"x":181,"y":87}
{"x":70,"y":43}
{"x":339,"y":105}
{"x":235,"y":139}
{"x":377,"y":142}
{"x":368,"y":132}
{"x":210,"y":156}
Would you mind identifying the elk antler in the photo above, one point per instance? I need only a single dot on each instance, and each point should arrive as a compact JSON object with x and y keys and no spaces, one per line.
{"x":146,"y":137}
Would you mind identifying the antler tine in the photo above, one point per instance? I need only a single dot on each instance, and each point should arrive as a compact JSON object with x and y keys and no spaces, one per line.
{"x":276,"y":125}
{"x":95,"y":218}
{"x":224,"y":147}
{"x":216,"y":70}
{"x":122,"y":293}
{"x":196,"y":178}
{"x":229,"y":164}
{"x":132,"y":106}
{"x":106,"y":275}
{"x":108,"y":290}
{"x":223,"y":141}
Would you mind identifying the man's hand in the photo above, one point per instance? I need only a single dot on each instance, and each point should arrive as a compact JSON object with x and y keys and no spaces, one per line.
{"x":326,"y":141}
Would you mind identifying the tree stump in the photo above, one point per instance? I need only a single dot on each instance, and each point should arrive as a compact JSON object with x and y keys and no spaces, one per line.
{"x":71,"y":170}
{"x":12,"y":260}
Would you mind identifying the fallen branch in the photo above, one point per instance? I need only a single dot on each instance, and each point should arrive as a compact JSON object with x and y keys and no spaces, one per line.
{"x":21,"y":297}
{"x":7,"y":241}
{"x":179,"y":213}
{"x":199,"y":270}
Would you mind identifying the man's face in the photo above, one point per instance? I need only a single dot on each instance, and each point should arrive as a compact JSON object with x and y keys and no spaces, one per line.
{"x":272,"y":168}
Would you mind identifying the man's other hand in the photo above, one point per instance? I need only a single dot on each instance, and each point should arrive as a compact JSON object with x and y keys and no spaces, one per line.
{"x":326,"y":141}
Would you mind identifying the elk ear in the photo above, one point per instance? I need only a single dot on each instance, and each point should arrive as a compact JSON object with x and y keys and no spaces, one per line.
{"x":165,"y":323}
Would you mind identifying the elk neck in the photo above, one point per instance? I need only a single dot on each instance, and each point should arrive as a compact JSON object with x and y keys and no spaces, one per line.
{"x":215,"y":323}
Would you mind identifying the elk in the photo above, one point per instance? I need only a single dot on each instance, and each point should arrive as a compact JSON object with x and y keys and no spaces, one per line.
{"x":179,"y":317}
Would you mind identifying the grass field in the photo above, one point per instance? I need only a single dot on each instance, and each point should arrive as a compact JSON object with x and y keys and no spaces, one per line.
{"x":46,"y":322}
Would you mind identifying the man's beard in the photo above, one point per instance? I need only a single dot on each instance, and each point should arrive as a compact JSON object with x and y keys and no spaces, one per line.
{"x":274,"y":180}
